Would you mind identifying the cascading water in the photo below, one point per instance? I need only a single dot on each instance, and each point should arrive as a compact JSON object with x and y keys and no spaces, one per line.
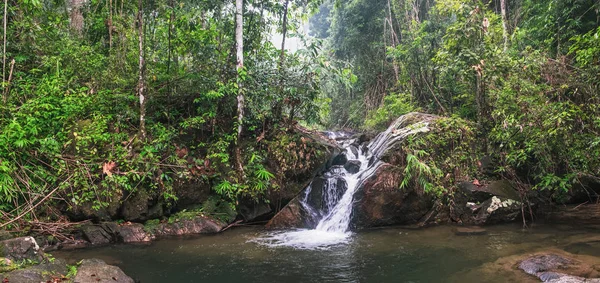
{"x":340,"y":184}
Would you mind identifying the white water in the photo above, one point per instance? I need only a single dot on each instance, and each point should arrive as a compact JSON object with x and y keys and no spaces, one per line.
{"x":335,"y":215}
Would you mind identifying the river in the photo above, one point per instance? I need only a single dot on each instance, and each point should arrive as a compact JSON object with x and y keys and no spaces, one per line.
{"x":435,"y":254}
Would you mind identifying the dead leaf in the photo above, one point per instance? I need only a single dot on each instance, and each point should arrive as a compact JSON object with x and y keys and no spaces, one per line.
{"x":476,"y":183}
{"x":108,"y":167}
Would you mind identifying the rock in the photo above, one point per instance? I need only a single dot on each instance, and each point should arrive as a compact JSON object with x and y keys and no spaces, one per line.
{"x":501,"y":188}
{"x":292,"y":215}
{"x":135,"y":206}
{"x":352,"y":166}
{"x":196,"y":225}
{"x":97,"y":235}
{"x":354,"y":150}
{"x":156,"y":211}
{"x":561,"y":267}
{"x":588,"y":214}
{"x":498,"y":210}
{"x":45,"y":272}
{"x":546,"y":262}
{"x":251,"y":210}
{"x":340,"y":159}
{"x":133,"y":233}
{"x":472,"y":230}
{"x":95,"y":270}
{"x":191,"y":192}
{"x":381,"y":202}
{"x":24,"y":248}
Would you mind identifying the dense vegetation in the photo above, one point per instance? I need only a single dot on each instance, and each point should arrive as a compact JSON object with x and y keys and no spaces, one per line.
{"x":102,"y":98}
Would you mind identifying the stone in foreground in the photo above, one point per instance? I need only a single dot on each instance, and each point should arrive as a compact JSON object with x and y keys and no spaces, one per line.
{"x":24,"y":248}
{"x":95,"y":270}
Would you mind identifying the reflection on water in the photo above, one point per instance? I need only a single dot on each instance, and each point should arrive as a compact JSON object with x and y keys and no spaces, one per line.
{"x":386,"y":255}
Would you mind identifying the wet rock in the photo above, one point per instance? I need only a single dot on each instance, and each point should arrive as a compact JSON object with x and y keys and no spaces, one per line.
{"x":381,"y":202}
{"x":251,"y":210}
{"x":95,"y":270}
{"x":97,"y":235}
{"x":471,"y":230}
{"x":135,"y":206}
{"x":23,"y":248}
{"x":546,"y":262}
{"x":45,"y":272}
{"x":340,"y":159}
{"x":292,"y":215}
{"x":196,"y":225}
{"x":133,"y":233}
{"x":353,"y":149}
{"x":353,"y":166}
{"x":558,"y":268}
{"x":318,"y":197}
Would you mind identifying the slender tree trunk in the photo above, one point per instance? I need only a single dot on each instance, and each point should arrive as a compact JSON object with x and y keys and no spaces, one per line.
{"x":278,"y":109}
{"x":394,"y":39}
{"x":504,"y":23}
{"x":76,"y":15}
{"x":4,"y":45}
{"x":141,"y":71}
{"x":239,"y":40}
{"x":110,"y":24}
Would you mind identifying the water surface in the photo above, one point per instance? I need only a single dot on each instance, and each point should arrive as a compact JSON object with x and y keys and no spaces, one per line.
{"x":434,"y":254}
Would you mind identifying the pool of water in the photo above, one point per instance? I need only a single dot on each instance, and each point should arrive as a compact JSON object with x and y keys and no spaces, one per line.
{"x":434,"y":254}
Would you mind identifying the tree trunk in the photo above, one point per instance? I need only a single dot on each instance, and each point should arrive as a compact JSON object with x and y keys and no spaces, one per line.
{"x":110,"y":24}
{"x":4,"y":46}
{"x":239,"y":40}
{"x":76,"y":15}
{"x":504,"y":23}
{"x":278,"y":109}
{"x":141,"y":71}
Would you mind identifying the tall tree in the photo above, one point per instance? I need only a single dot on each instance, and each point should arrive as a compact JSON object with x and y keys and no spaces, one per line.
{"x":239,"y":40}
{"x":504,"y":23}
{"x":141,"y":88}
{"x":76,"y":15}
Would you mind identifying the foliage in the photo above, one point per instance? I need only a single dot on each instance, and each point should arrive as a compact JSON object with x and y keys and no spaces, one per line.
{"x":70,"y":115}
{"x":447,"y":154}
{"x":394,"y":105}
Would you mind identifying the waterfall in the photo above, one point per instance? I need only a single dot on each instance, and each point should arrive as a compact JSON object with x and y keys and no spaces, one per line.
{"x":341,"y":181}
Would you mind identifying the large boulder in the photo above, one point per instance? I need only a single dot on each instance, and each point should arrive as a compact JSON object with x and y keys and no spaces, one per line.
{"x":95,"y":270}
{"x":24,"y":248}
{"x":381,"y":202}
